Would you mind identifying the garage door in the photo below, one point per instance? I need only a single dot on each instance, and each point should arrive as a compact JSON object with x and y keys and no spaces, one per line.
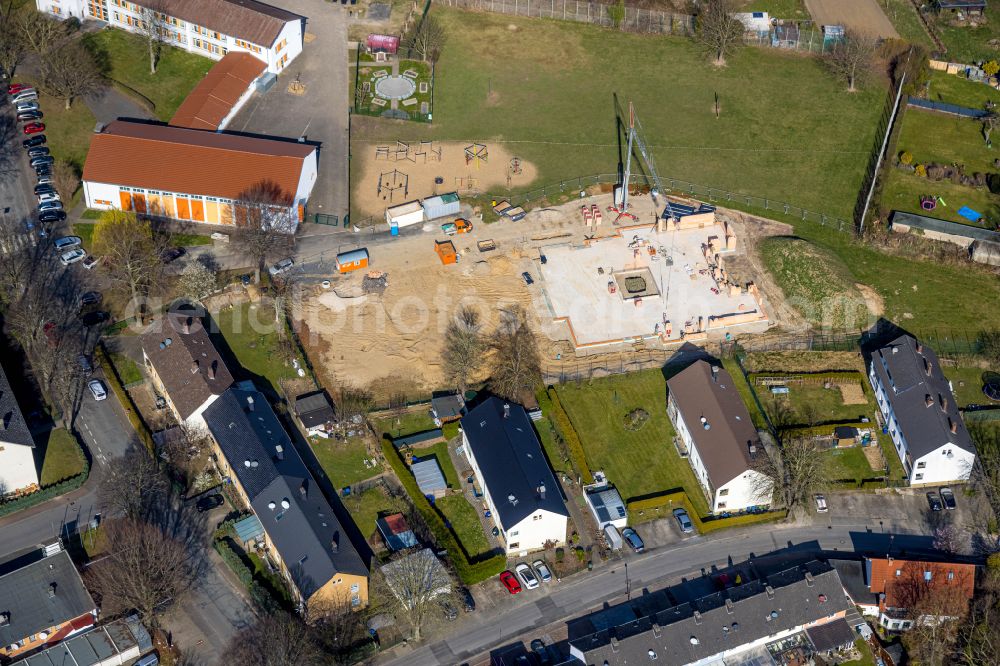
{"x":183,"y":208}
{"x":198,"y":210}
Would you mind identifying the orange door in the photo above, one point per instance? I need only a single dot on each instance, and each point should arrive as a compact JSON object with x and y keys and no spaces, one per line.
{"x":198,"y":210}
{"x":126,"y":200}
{"x":225,"y":214}
{"x":139,"y":203}
{"x":183,"y":208}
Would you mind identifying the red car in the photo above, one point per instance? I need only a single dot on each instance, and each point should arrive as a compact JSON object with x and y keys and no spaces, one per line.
{"x":15,"y":88}
{"x":510,"y":582}
{"x":34,"y":128}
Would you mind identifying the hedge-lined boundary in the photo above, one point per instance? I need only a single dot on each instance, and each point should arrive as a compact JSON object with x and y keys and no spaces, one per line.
{"x":260,"y":595}
{"x":573,"y":444}
{"x":831,"y":375}
{"x":824,"y":428}
{"x":470,"y":572}
{"x":47,"y":493}
{"x":131,"y":411}
{"x":680,"y":498}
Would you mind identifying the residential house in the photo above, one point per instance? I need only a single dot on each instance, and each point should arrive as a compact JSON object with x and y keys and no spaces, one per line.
{"x":316,"y":413}
{"x":748,"y":621}
{"x":901,"y":593}
{"x":447,"y":407}
{"x":920,"y":413}
{"x":114,"y":644}
{"x":396,"y":532}
{"x":211,"y":28}
{"x":42,"y":601}
{"x":721,"y":443}
{"x":195,"y":176}
{"x":518,"y":486}
{"x":217,"y":98}
{"x":423,"y":565}
{"x":605,"y":503}
{"x":18,"y":471}
{"x":184,"y":365}
{"x":301,"y":532}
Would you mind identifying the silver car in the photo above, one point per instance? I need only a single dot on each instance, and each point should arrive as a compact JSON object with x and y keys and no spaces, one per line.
{"x":71,"y":257}
{"x":282,"y":266}
{"x":97,"y":389}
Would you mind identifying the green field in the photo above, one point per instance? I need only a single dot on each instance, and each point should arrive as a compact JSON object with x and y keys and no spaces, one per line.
{"x":850,"y":463}
{"x":465,"y":523}
{"x":63,"y":457}
{"x":127,"y":62}
{"x":342,"y":461}
{"x":935,"y":137}
{"x":783,"y":9}
{"x":903,"y":17}
{"x":969,"y":45}
{"x":787,"y":130}
{"x":404,"y":424}
{"x":127,"y":369}
{"x":250,"y":332}
{"x":810,"y":404}
{"x":640,"y":462}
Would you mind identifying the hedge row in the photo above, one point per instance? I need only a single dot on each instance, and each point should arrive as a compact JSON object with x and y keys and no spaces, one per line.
{"x":469,"y":572}
{"x":568,"y":432}
{"x":46,"y":493}
{"x":111,"y":374}
{"x":824,"y":429}
{"x":680,"y":499}
{"x":259,"y":594}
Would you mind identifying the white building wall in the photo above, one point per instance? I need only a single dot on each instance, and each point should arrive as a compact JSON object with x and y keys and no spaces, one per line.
{"x":947,"y":464}
{"x":101,"y":196}
{"x":307,"y":179}
{"x":531,"y":533}
{"x":749,"y":489}
{"x":17,"y":467}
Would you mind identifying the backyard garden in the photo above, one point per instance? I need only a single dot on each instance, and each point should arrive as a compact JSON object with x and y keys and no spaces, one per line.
{"x":397,"y":88}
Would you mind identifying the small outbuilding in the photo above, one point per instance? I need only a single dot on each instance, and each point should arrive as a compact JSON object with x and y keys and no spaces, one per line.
{"x":606,"y":504}
{"x":831,"y":637}
{"x":396,"y":532}
{"x":316,"y":413}
{"x":442,"y":205}
{"x":755,"y":22}
{"x":352,"y":261}
{"x":382,"y":43}
{"x":447,"y":407}
{"x":405,"y":214}
{"x":967,"y":7}
{"x":785,"y":36}
{"x":429,"y":478}
{"x":845,"y":436}
{"x":418,"y":438}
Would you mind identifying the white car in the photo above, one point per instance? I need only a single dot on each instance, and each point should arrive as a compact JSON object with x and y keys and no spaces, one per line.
{"x":526,"y":575}
{"x":821,"y":506}
{"x":27,"y":105}
{"x":97,"y":389}
{"x":282,"y":266}
{"x":67,"y":243}
{"x":71,"y":257}
{"x":45,"y":197}
{"x":542,"y":570}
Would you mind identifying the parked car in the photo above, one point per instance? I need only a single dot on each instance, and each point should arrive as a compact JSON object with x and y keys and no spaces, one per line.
{"x":467,"y":599}
{"x":43,"y":170}
{"x":42,"y":159}
{"x":46,"y":197}
{"x":44,"y":189}
{"x":544,"y":574}
{"x":632,"y":539}
{"x":948,"y":497}
{"x":71,"y":257}
{"x":933,"y":501}
{"x":84,"y":362}
{"x":66,"y":243}
{"x":527,"y":576}
{"x":94,"y":318}
{"x":282,"y":266}
{"x":27,"y":105}
{"x":90,"y":262}
{"x":46,"y":180}
{"x":34,"y":128}
{"x":209,"y":502}
{"x":90,"y":298}
{"x":821,"y":504}
{"x":52,"y":216}
{"x":684,"y":521}
{"x":171,"y":254}
{"x":38,"y":151}
{"x":15,"y":88}
{"x":527,"y":278}
{"x":25,"y":96}
{"x":449,"y":611}
{"x":49,"y":205}
{"x":36,"y":140}
{"x":29,"y":115}
{"x":97,"y":389}
{"x":510,"y":582}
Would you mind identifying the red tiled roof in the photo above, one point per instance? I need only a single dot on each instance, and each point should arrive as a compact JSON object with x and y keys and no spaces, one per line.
{"x":188,"y":161}
{"x":397,"y":523}
{"x":943,"y":575}
{"x":216,"y":94}
{"x":247,"y":19}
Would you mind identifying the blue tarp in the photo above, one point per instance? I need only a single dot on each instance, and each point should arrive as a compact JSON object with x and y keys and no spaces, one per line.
{"x":969,"y":214}
{"x":946,"y":108}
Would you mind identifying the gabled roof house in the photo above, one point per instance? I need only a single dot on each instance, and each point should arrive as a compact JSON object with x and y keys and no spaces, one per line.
{"x":517,"y":483}
{"x":18,"y":472}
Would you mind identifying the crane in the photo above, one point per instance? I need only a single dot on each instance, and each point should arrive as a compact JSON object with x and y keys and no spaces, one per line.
{"x":636,"y":139}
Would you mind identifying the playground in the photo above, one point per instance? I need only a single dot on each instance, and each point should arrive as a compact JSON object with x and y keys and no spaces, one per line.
{"x":397,"y":172}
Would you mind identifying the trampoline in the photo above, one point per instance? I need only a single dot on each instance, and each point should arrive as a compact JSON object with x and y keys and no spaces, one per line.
{"x":992,"y":390}
{"x":395,"y":87}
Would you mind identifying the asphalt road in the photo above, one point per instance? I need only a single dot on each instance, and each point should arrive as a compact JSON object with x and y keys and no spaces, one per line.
{"x":527,"y":614}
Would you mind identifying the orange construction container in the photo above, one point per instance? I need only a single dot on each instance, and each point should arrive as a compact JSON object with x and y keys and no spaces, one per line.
{"x":446,"y":252}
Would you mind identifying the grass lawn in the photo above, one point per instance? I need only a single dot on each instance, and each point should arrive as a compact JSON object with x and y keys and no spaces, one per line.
{"x":866,"y":655}
{"x":440,"y":452}
{"x":967,"y":44}
{"x":967,"y":382}
{"x":547,"y":436}
{"x":850,"y":464}
{"x":896,"y":470}
{"x":67,"y":132}
{"x":190,"y":240}
{"x":63,"y":457}
{"x":746,"y":393}
{"x":546,"y":87}
{"x":85,"y":230}
{"x":405,"y":424}
{"x":366,"y":507}
{"x":638,"y":462}
{"x":811,"y":404}
{"x":783,"y":9}
{"x":954,"y":89}
{"x":128,"y":370}
{"x":343,"y":462}
{"x":903,"y":17}
{"x":250,"y":332}
{"x":128,"y":63}
{"x":463,"y":520}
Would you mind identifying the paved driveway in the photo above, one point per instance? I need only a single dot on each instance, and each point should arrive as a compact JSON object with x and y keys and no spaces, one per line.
{"x":321,"y":113}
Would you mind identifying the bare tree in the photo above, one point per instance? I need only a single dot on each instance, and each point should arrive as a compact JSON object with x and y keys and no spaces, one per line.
{"x":936,"y":611}
{"x":145,"y":569}
{"x":66,"y":179}
{"x":132,"y":255}
{"x":427,"y":39}
{"x":69,"y":71}
{"x":152,"y":26}
{"x":133,"y":485}
{"x":719,"y":32}
{"x":275,"y":640}
{"x":851,"y":58}
{"x":990,"y":122}
{"x":264,"y":222}
{"x":947,"y":538}
{"x":197,"y":281}
{"x":337,"y":628}
{"x":40,"y":32}
{"x":13,"y":45}
{"x":798,"y":469}
{"x":415,"y":584}
{"x":514,"y":362}
{"x":355,"y":404}
{"x":464,"y":347}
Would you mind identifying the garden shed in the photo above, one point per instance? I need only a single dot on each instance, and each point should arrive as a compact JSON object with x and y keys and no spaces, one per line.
{"x":382,"y":43}
{"x":785,"y":36}
{"x":443,"y":205}
{"x":429,"y":477}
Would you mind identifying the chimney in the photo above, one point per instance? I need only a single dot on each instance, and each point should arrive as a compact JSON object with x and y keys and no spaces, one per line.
{"x":730,"y":609}
{"x":303,"y":490}
{"x":52,"y":590}
{"x":715,"y":374}
{"x":895,"y":349}
{"x":770,"y":592}
{"x":920,"y":348}
{"x":697,"y":617}
{"x":250,"y":402}
{"x":211,"y":370}
{"x":99,"y":128}
{"x":928,"y":400}
{"x":927,"y":367}
{"x":541,"y":490}
{"x":279,"y":452}
{"x":952,"y":425}
{"x":809,"y":580}
{"x":194,"y":367}
{"x":4,"y":618}
{"x":614,"y":644}
{"x":506,"y":411}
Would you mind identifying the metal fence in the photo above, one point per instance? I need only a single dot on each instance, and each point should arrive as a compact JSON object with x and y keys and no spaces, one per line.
{"x":953,"y":109}
{"x":632,"y":19}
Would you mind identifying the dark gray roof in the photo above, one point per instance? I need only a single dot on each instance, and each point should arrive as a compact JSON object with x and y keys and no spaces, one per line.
{"x":723,"y":440}
{"x":428,"y":475}
{"x":721,"y":621}
{"x":315,"y":409}
{"x":510,"y":458}
{"x":447,"y":406}
{"x":26,"y":594}
{"x":911,"y":375}
{"x":852,"y":577}
{"x":607,"y":503}
{"x":13,"y":428}
{"x":307,"y":534}
{"x":95,"y":646}
{"x":943,"y":226}
{"x":831,"y":635}
{"x":418,"y":438}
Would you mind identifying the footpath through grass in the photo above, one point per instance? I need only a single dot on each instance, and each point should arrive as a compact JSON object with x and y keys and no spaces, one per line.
{"x":63,"y":457}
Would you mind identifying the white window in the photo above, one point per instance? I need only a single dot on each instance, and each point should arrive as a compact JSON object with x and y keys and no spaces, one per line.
{"x":918,"y":477}
{"x":514,"y":533}
{"x":927,"y":576}
{"x":921,"y":465}
{"x":722,"y":505}
{"x":724,"y":492}
{"x":355,"y":588}
{"x":951,"y":575}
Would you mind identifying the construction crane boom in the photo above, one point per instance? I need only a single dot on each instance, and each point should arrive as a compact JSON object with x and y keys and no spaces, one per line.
{"x":636,"y":137}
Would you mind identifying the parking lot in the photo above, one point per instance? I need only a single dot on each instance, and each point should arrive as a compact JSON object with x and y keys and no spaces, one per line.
{"x":320,"y":112}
